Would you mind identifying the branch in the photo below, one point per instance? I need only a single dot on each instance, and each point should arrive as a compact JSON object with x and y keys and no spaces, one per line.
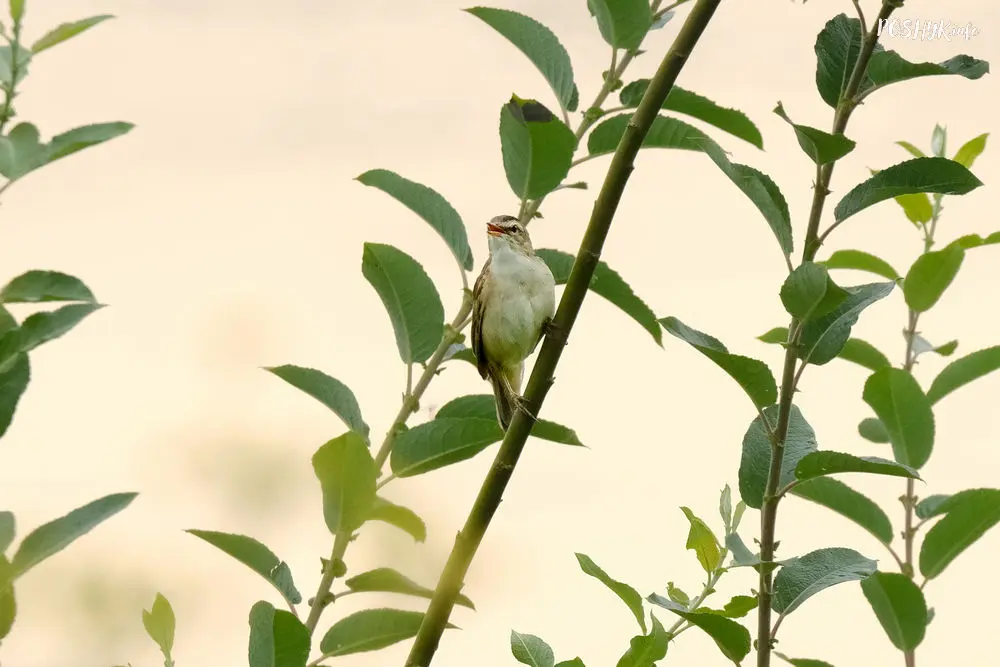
{"x":491,"y":492}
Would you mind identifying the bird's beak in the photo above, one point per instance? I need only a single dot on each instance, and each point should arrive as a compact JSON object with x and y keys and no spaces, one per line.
{"x":494,"y":230}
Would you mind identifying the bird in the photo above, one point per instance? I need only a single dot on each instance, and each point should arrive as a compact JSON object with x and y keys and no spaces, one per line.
{"x":513,"y":302}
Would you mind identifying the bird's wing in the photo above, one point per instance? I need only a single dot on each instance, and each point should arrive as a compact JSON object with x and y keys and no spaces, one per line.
{"x":478,"y":311}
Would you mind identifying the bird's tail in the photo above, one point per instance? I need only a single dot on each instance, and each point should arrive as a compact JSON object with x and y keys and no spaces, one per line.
{"x":505,"y":390}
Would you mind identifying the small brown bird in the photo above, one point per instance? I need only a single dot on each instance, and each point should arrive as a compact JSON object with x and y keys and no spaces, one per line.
{"x":514,"y":299}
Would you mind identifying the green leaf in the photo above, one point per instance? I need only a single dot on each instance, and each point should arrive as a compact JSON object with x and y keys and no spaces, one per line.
{"x":731,"y":637}
{"x":975,"y":240}
{"x":726,"y":508}
{"x":938,"y":140}
{"x":970,"y":150}
{"x":807,"y":575}
{"x":387,"y":580}
{"x":905,"y":410}
{"x":441,"y":442}
{"x":541,"y":47}
{"x":752,"y":375}
{"x":821,"y":147}
{"x":842,"y":499}
{"x":428,"y":204}
{"x":665,"y":132}
{"x":864,"y":354}
{"x":257,"y":557}
{"x":7,"y":531}
{"x":741,"y":553}
{"x":8,"y":607}
{"x":28,"y":153}
{"x":482,"y":406}
{"x":51,"y":538}
{"x":401,"y":517}
{"x":818,"y":464}
{"x":691,"y":104}
{"x":78,"y":138}
{"x":370,"y":630}
{"x":347,"y":476}
{"x":917,"y":207}
{"x":410,"y":298}
{"x":537,"y":148}
{"x":575,"y":662}
{"x":329,"y":391}
{"x":931,"y":506}
{"x":625,"y":593}
{"x":623,"y":23}
{"x":14,"y":379}
{"x":823,"y":338}
{"x":41,"y":286}
{"x":837,"y":48}
{"x":739,"y":606}
{"x":159,"y":623}
{"x":922,"y":345}
{"x":16,"y":11}
{"x":964,"y":370}
{"x":677,"y":595}
{"x":802,"y":662}
{"x":888,"y":67}
{"x":277,"y":638}
{"x":860,"y":260}
{"x":873,"y":430}
{"x":924,"y":174}
{"x":531,"y":650}
{"x":809,"y":292}
{"x":756,"y":460}
{"x":899,"y":606}
{"x":65,"y":31}
{"x":930,"y":276}
{"x":911,"y":149}
{"x":701,"y":540}
{"x":644,"y":650}
{"x":968,"y":515}
{"x":40,"y":328}
{"x":608,"y":284}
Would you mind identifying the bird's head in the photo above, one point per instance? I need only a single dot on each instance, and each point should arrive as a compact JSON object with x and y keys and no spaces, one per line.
{"x":506,"y":231}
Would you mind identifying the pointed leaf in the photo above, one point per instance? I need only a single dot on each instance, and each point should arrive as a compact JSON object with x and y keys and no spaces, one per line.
{"x":752,"y":375}
{"x":823,"y":338}
{"x":873,"y":430}
{"x":347,"y":475}
{"x":930,"y":276}
{"x":41,"y":286}
{"x":257,"y":557}
{"x":370,"y":630}
{"x":7,"y":531}
{"x":51,"y":538}
{"x":821,"y":147}
{"x":809,"y":292}
{"x":925,"y":174}
{"x":756,"y":461}
{"x":899,"y":606}
{"x":644,"y":650}
{"x":842,"y":499}
{"x":623,"y":23}
{"x":329,"y":391}
{"x":410,"y":298}
{"x":482,"y":406}
{"x":837,"y":48}
{"x":931,"y":506}
{"x":818,"y":464}
{"x":541,"y":47}
{"x":46,"y":326}
{"x":888,"y":67}
{"x":537,"y":148}
{"x":442,"y":442}
{"x":917,"y":207}
{"x":975,"y":240}
{"x":807,"y":575}
{"x":911,"y":149}
{"x":429,"y":205}
{"x":731,"y":637}
{"x":277,"y":638}
{"x":726,"y":507}
{"x":901,"y":405}
{"x":14,"y":377}
{"x":401,"y":517}
{"x":970,"y":150}
{"x":77,"y":139}
{"x":861,"y":261}
{"x":968,"y":515}
{"x":964,"y":370}
{"x":626,"y":593}
{"x":160,"y":624}
{"x":802,"y":662}
{"x":65,"y":31}
{"x":531,"y":650}
{"x":387,"y":580}
{"x":864,"y":354}
{"x":702,"y":541}
{"x":665,"y":132}
{"x":608,"y":284}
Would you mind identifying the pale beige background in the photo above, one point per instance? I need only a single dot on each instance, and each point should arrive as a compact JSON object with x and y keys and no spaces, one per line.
{"x":226,"y":232}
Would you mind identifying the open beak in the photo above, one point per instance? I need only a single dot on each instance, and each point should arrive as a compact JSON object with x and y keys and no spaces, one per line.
{"x":494,"y":230}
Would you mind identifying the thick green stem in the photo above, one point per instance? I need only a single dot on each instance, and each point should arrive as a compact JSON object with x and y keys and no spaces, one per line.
{"x":811,"y":245}
{"x":490,"y":494}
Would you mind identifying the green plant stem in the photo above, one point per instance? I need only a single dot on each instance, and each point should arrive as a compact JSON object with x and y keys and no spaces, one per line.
{"x":340,"y":543}
{"x":789,"y":378}
{"x":681,"y":625}
{"x":10,"y":90}
{"x":491,"y":493}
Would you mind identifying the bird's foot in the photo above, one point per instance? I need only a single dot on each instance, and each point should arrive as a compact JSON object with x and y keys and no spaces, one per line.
{"x":522,"y":405}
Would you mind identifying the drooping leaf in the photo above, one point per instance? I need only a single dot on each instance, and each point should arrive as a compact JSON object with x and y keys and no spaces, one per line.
{"x":887,"y":67}
{"x":644,"y":650}
{"x":160,"y":624}
{"x":842,"y":499}
{"x":821,"y":147}
{"x":410,"y":298}
{"x":702,"y":541}
{"x":540,"y":45}
{"x":967,"y":516}
{"x":860,"y":260}
{"x":329,"y":391}
{"x":873,"y":430}
{"x":665,"y":132}
{"x":625,"y":593}
{"x":899,"y":606}
{"x":905,"y":410}
{"x":911,"y":149}
{"x":370,"y":630}
{"x":823,"y":338}
{"x":809,"y":292}
{"x":387,"y":580}
{"x":623,"y":23}
{"x":442,"y":442}
{"x":41,"y":286}
{"x":401,"y":517}
{"x":482,"y":406}
{"x":79,"y":138}
{"x":755,"y":463}
{"x":65,"y":31}
{"x":608,"y":284}
{"x":257,"y":557}
{"x":347,"y":476}
{"x":970,"y":150}
{"x":731,"y":637}
{"x":537,"y":148}
{"x":924,"y":174}
{"x":531,"y":650}
{"x":837,"y":48}
{"x":14,"y":378}
{"x":964,"y":370}
{"x":8,"y":605}
{"x":931,"y":506}
{"x":807,"y":575}
{"x":752,"y":375}
{"x":40,"y":328}
{"x":818,"y":464}
{"x":691,"y":104}
{"x":428,"y":204}
{"x":930,"y":276}
{"x":277,"y":638}
{"x":864,"y":354}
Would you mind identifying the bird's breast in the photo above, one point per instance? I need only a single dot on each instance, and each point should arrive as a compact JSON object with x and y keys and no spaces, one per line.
{"x":522,"y":298}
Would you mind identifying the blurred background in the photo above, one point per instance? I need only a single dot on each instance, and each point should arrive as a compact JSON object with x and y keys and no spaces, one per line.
{"x":225,"y":233}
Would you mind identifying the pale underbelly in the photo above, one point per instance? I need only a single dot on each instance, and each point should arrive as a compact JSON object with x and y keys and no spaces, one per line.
{"x":512,"y":326}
